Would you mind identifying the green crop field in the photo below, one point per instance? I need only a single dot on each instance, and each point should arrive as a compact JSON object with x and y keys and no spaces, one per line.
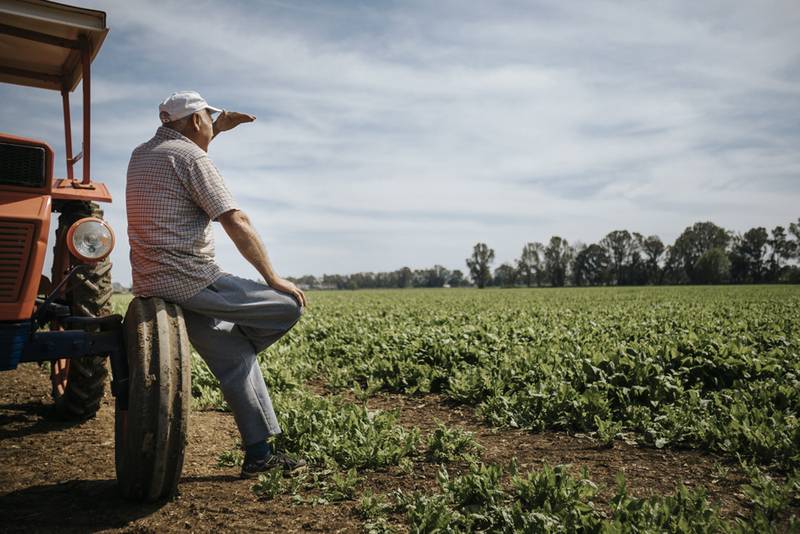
{"x":707,"y":368}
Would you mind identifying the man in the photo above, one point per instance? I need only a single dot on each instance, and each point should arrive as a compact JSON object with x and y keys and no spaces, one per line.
{"x":173,"y":193}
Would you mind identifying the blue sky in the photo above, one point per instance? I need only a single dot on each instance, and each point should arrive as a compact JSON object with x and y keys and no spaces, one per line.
{"x":402,"y":133}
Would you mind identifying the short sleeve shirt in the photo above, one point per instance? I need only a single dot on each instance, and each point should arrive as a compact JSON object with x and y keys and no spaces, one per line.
{"x":173,"y":192}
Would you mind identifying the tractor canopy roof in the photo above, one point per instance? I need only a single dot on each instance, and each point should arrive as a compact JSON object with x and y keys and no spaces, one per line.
{"x":41,"y":42}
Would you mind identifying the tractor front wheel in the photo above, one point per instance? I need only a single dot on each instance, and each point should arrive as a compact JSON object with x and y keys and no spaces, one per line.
{"x":78,"y":384}
{"x":150,"y":435}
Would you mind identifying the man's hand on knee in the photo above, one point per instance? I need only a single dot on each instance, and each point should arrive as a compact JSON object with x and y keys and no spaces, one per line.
{"x":285,"y":286}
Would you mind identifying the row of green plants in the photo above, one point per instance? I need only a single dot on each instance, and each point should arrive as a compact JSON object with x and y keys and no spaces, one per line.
{"x":551,"y":499}
{"x":494,"y":498}
{"x":715,"y":368}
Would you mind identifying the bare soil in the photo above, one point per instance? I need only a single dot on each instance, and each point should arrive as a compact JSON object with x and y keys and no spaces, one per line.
{"x":56,"y":475}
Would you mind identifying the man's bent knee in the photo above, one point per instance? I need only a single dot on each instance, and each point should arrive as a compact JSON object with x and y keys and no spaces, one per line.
{"x":293,"y":311}
{"x":289,"y":310}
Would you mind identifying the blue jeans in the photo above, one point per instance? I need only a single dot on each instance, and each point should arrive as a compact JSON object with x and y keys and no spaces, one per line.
{"x":229,"y":323}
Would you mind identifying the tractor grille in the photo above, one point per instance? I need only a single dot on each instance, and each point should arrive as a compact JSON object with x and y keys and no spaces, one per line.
{"x":23,"y":165}
{"x":16,"y":244}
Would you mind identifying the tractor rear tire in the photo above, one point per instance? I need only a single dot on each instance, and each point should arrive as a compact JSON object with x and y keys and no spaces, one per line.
{"x":150,"y":436}
{"x":78,"y":384}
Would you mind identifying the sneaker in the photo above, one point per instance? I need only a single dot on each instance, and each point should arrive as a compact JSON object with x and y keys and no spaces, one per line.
{"x":291,"y":466}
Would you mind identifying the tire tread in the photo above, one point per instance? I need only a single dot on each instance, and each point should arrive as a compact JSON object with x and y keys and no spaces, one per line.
{"x":150,"y":454}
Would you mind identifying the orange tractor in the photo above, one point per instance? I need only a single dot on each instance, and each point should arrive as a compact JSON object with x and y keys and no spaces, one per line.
{"x":67,"y":320}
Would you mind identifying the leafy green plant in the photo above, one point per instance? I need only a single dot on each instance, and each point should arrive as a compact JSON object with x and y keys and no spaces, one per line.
{"x":269,"y":484}
{"x":330,"y":429}
{"x":428,"y":513}
{"x":554,"y":491}
{"x":341,"y":486}
{"x":551,"y":500}
{"x":371,"y":388}
{"x":607,"y":431}
{"x":379,"y":525}
{"x":372,"y":506}
{"x":480,"y":486}
{"x":230,"y":458}
{"x":406,"y":466}
{"x":450,"y":444}
{"x":770,"y":497}
{"x":206,"y":394}
{"x":687,"y":511}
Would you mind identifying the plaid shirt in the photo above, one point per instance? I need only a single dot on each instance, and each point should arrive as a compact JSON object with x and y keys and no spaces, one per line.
{"x":173,"y":193}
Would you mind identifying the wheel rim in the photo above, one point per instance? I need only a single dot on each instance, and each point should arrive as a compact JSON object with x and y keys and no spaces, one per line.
{"x":60,"y":375}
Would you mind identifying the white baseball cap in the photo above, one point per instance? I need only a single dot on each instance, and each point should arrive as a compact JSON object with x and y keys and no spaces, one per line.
{"x":182,"y":104}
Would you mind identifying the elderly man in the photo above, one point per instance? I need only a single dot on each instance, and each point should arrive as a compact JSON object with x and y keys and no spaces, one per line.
{"x":173,"y":193}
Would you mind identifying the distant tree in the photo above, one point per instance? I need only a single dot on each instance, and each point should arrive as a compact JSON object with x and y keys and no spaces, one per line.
{"x":591,"y":266}
{"x":405,"y":277}
{"x":693,"y":243}
{"x":792,"y":272}
{"x":456,"y":279}
{"x":441,"y":275}
{"x":781,"y":252}
{"x":349,"y":283}
{"x":505,"y":275}
{"x":479,"y":264}
{"x":794,"y":229}
{"x":636,"y":271}
{"x":557,"y":257}
{"x":333,"y":280}
{"x":529,"y":264}
{"x":361,"y":281}
{"x":673,"y":271}
{"x":740,"y":270}
{"x":308,"y":281}
{"x":713,"y":267}
{"x":385,"y":280}
{"x":575,"y":265}
{"x":620,"y":246}
{"x":653,"y":250}
{"x":436,"y":276}
{"x":748,"y":255}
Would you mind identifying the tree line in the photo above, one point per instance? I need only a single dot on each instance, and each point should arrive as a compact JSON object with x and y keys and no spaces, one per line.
{"x":703,"y":254}
{"x":436,"y":276}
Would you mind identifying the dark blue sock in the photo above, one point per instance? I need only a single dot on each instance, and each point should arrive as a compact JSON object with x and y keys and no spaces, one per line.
{"x":257,"y":451}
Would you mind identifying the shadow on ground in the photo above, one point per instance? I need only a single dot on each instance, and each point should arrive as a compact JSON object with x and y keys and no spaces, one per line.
{"x":76,"y":505}
{"x":31,"y":418}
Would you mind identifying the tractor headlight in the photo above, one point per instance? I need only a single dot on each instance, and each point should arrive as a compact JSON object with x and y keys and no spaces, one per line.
{"x":90,"y":239}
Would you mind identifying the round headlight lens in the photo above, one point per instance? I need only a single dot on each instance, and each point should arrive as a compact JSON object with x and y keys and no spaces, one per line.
{"x":92,"y":239}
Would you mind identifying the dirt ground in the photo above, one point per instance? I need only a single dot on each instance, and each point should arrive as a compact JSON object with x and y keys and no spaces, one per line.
{"x":60,"y":476}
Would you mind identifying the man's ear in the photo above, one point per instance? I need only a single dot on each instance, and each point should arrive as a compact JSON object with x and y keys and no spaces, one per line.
{"x":196,"y":122}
